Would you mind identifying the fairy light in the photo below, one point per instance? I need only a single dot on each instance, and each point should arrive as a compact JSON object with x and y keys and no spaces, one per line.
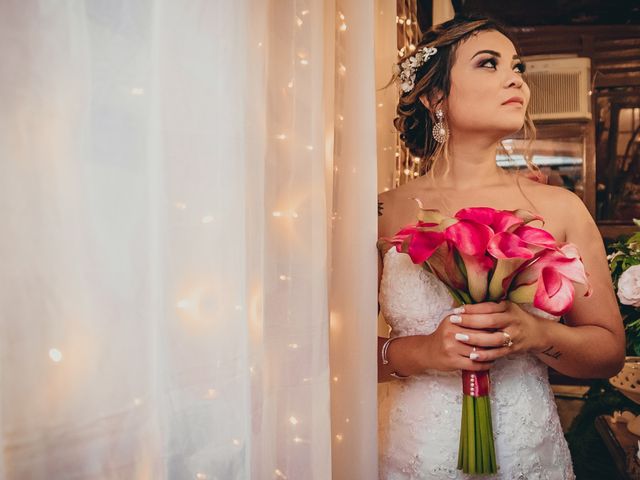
{"x":293,"y":345}
{"x":279,"y":473}
{"x":259,"y":44}
{"x":297,"y":439}
{"x":55,"y":355}
{"x":290,"y":84}
{"x":380,"y":105}
{"x":339,"y":437}
{"x":299,"y":21}
{"x":212,"y":393}
{"x":201,"y":476}
{"x":412,"y":47}
{"x":207,"y":219}
{"x":276,"y":214}
{"x":342,"y":27}
{"x":184,"y":304}
{"x":283,"y":277}
{"x":342,"y":69}
{"x":236,"y":441}
{"x":293,"y":420}
{"x":304,"y":12}
{"x":180,"y":205}
{"x":309,"y":147}
{"x":137,"y":91}
{"x":304,"y":61}
{"x":281,"y":136}
{"x":137,"y":401}
{"x":335,"y":379}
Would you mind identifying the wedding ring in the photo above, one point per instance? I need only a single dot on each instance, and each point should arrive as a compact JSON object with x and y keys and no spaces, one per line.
{"x":507,"y":339}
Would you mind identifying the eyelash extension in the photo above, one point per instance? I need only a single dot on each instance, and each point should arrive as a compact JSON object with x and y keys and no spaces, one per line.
{"x":521,"y":65}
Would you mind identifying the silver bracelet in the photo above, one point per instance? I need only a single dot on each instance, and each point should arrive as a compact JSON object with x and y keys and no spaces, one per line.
{"x":385,"y":360}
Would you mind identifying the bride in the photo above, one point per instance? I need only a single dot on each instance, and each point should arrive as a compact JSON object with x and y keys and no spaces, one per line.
{"x":470,"y":86}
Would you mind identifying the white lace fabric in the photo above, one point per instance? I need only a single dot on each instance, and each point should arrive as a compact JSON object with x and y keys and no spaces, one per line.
{"x":419,"y":418}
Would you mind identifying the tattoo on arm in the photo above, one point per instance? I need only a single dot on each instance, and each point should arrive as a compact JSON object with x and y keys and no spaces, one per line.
{"x":380,"y":208}
{"x":550,"y":352}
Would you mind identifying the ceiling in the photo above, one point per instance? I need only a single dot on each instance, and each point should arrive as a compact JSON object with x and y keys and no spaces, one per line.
{"x":517,"y":13}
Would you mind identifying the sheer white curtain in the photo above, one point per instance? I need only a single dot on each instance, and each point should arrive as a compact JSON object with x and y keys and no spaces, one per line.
{"x":165,"y":207}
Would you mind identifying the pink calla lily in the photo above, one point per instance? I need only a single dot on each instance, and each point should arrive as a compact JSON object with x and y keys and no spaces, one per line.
{"x":512,"y":250}
{"x":471,"y":240}
{"x":498,"y":220}
{"x":547,"y":282}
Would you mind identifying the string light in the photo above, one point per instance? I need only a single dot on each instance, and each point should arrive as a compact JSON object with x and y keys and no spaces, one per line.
{"x":342,"y":27}
{"x":339,"y":437}
{"x":309,"y":147}
{"x":201,"y":476}
{"x":281,"y":136}
{"x":181,"y":205}
{"x":293,"y":345}
{"x":55,"y":355}
{"x":207,"y":219}
{"x":299,"y":21}
{"x":279,"y":473}
{"x":304,"y":12}
{"x":293,"y":420}
{"x":137,"y":91}
{"x":211,"y":393}
{"x":236,"y":441}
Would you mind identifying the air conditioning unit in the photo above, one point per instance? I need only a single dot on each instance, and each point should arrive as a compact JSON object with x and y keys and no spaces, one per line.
{"x":560,"y":88}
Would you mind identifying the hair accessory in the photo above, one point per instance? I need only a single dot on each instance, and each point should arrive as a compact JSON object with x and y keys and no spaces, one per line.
{"x":406,"y":71}
{"x":439,"y":131}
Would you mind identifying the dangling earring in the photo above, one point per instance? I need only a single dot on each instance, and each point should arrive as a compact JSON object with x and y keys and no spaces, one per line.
{"x":439,"y":131}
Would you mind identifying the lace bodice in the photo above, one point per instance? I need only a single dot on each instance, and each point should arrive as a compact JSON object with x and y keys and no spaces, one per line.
{"x":419,"y":417}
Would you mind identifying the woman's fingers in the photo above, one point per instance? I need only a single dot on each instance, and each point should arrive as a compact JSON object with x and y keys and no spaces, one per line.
{"x":490,"y":355}
{"x":479,"y":338}
{"x":480,"y":321}
{"x":486,"y":307}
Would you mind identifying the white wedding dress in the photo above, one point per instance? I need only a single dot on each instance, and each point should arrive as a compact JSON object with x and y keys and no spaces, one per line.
{"x":419,"y":418}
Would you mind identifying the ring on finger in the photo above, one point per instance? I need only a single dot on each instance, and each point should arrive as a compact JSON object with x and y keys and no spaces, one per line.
{"x":507,"y":339}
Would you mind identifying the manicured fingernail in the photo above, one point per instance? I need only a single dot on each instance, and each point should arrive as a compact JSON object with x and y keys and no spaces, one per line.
{"x":455,"y":319}
{"x":462,"y":337}
{"x":458,"y":310}
{"x":474,"y":356}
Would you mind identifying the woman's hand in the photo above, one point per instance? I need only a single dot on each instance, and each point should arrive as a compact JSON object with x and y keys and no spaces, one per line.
{"x":460,"y":342}
{"x":499,"y":329}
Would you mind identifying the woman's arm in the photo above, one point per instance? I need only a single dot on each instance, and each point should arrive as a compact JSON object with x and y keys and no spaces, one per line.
{"x":592,"y":342}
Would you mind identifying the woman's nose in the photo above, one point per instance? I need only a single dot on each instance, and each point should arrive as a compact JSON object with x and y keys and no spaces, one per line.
{"x":514,"y":80}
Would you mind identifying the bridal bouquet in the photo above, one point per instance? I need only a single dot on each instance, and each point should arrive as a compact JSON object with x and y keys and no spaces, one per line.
{"x":483,"y":254}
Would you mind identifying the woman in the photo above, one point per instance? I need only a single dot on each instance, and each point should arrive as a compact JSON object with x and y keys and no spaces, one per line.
{"x":470,"y":86}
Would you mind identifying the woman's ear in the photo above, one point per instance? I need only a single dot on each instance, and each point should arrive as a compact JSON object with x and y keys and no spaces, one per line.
{"x":425,"y":101}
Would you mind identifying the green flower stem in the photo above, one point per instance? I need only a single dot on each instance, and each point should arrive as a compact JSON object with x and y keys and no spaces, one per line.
{"x":472,"y":433}
{"x":476,"y":454}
